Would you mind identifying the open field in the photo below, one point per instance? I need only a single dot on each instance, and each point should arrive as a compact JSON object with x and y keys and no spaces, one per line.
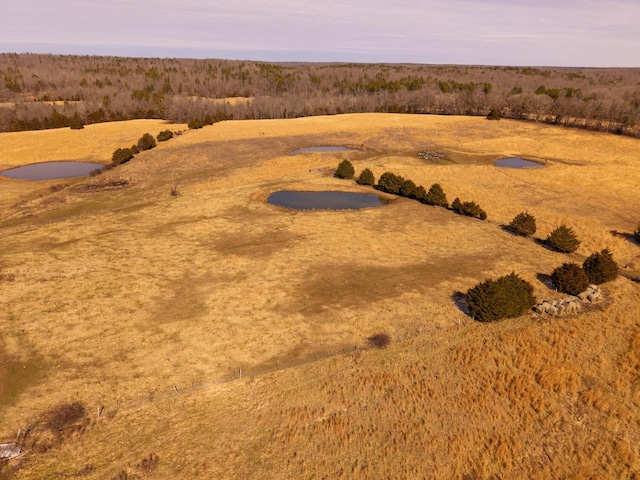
{"x":229,"y":337}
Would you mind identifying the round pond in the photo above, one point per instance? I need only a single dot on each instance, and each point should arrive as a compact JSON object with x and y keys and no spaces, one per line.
{"x":516,"y":162}
{"x":321,"y":148}
{"x":324,"y":200}
{"x":51,"y":170}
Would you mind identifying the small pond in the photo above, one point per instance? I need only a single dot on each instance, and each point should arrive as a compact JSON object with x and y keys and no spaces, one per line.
{"x":51,"y":170}
{"x":321,"y":148}
{"x":324,"y":200}
{"x":516,"y":162}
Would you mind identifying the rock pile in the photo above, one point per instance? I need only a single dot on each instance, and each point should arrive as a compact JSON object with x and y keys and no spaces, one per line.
{"x":9,"y":450}
{"x":569,"y":304}
{"x":430,"y":155}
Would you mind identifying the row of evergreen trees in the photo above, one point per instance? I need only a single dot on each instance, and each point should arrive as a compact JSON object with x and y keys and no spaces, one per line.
{"x":562,"y":239}
{"x":598,"y":268}
{"x":508,"y":296}
{"x":146,"y":142}
{"x":397,"y":185}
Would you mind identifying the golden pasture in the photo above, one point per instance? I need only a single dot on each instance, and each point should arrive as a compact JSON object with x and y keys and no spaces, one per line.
{"x":227,"y":338}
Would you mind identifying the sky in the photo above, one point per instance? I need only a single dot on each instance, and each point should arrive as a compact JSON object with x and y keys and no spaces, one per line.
{"x":578,"y":33}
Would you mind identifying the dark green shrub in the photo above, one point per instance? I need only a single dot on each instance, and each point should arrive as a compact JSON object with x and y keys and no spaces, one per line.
{"x":134,"y":149}
{"x":165,"y":135}
{"x":436,"y":196}
{"x":380,"y":340}
{"x":469,"y":209}
{"x":146,"y":142}
{"x":563,"y":239}
{"x":493,"y":115}
{"x":195,"y":124}
{"x":390,"y":183}
{"x":75,"y":122}
{"x":366,"y":178}
{"x":600,"y":267}
{"x":420,"y":194}
{"x":570,"y":278}
{"x":523,"y":224}
{"x":121,"y":155}
{"x":345,"y":170}
{"x":507,"y":297}
{"x":408,"y":189}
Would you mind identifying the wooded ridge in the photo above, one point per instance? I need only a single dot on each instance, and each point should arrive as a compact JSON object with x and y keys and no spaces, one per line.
{"x":50,"y":91}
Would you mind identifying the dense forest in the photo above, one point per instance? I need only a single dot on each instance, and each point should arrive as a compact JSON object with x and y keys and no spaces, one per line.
{"x":49,"y":91}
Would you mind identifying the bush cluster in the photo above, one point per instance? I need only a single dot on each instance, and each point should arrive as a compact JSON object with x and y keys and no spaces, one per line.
{"x":345,"y":170}
{"x":121,"y":155}
{"x":508,"y":296}
{"x":146,"y":142}
{"x":523,"y":224}
{"x":469,"y":209}
{"x":436,"y":196}
{"x":164,"y":135}
{"x":600,"y":267}
{"x":208,"y":120}
{"x":380,"y":340}
{"x":366,"y":178}
{"x":563,"y":239}
{"x":493,"y":115}
{"x":570,"y":278}
{"x":392,"y":183}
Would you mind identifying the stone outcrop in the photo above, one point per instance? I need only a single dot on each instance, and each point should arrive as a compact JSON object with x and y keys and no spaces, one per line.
{"x":569,"y":304}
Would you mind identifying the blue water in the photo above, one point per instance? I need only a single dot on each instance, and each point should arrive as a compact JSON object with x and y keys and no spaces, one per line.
{"x":324,"y":200}
{"x":51,"y":170}
{"x":516,"y":162}
{"x":321,"y":149}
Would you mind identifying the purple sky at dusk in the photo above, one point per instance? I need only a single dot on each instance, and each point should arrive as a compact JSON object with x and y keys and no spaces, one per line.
{"x":588,"y":33}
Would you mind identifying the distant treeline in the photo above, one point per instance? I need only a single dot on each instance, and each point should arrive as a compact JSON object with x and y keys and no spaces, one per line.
{"x":47,"y":91}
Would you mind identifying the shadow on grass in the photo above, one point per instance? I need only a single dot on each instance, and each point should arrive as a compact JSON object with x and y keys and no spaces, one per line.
{"x":630,"y":237}
{"x":460,"y":300}
{"x":546,"y":280}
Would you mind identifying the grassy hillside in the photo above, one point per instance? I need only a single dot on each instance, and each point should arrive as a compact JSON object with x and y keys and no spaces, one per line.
{"x":212,"y":335}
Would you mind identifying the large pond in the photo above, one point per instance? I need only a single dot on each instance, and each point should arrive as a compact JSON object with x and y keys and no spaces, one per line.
{"x":516,"y":162}
{"x":326,"y":148}
{"x":324,"y":200}
{"x":51,"y":170}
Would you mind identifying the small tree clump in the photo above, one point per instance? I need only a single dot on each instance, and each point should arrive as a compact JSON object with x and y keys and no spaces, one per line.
{"x":436,"y":196}
{"x":380,"y":340}
{"x":493,"y":115}
{"x":570,"y":278}
{"x":563,"y":239}
{"x":146,"y":142}
{"x":366,"y":178}
{"x":134,"y":149}
{"x":75,"y":122}
{"x":523,"y":224}
{"x":420,"y":194}
{"x":408,"y":189}
{"x":121,"y":155}
{"x":469,"y":209}
{"x":345,"y":170}
{"x":601,"y":267}
{"x":195,"y":124}
{"x":507,"y":297}
{"x":390,"y":183}
{"x":164,"y":135}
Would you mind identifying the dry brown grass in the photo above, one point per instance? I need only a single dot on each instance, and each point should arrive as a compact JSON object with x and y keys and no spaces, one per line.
{"x":152,"y":306}
{"x":94,"y":143}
